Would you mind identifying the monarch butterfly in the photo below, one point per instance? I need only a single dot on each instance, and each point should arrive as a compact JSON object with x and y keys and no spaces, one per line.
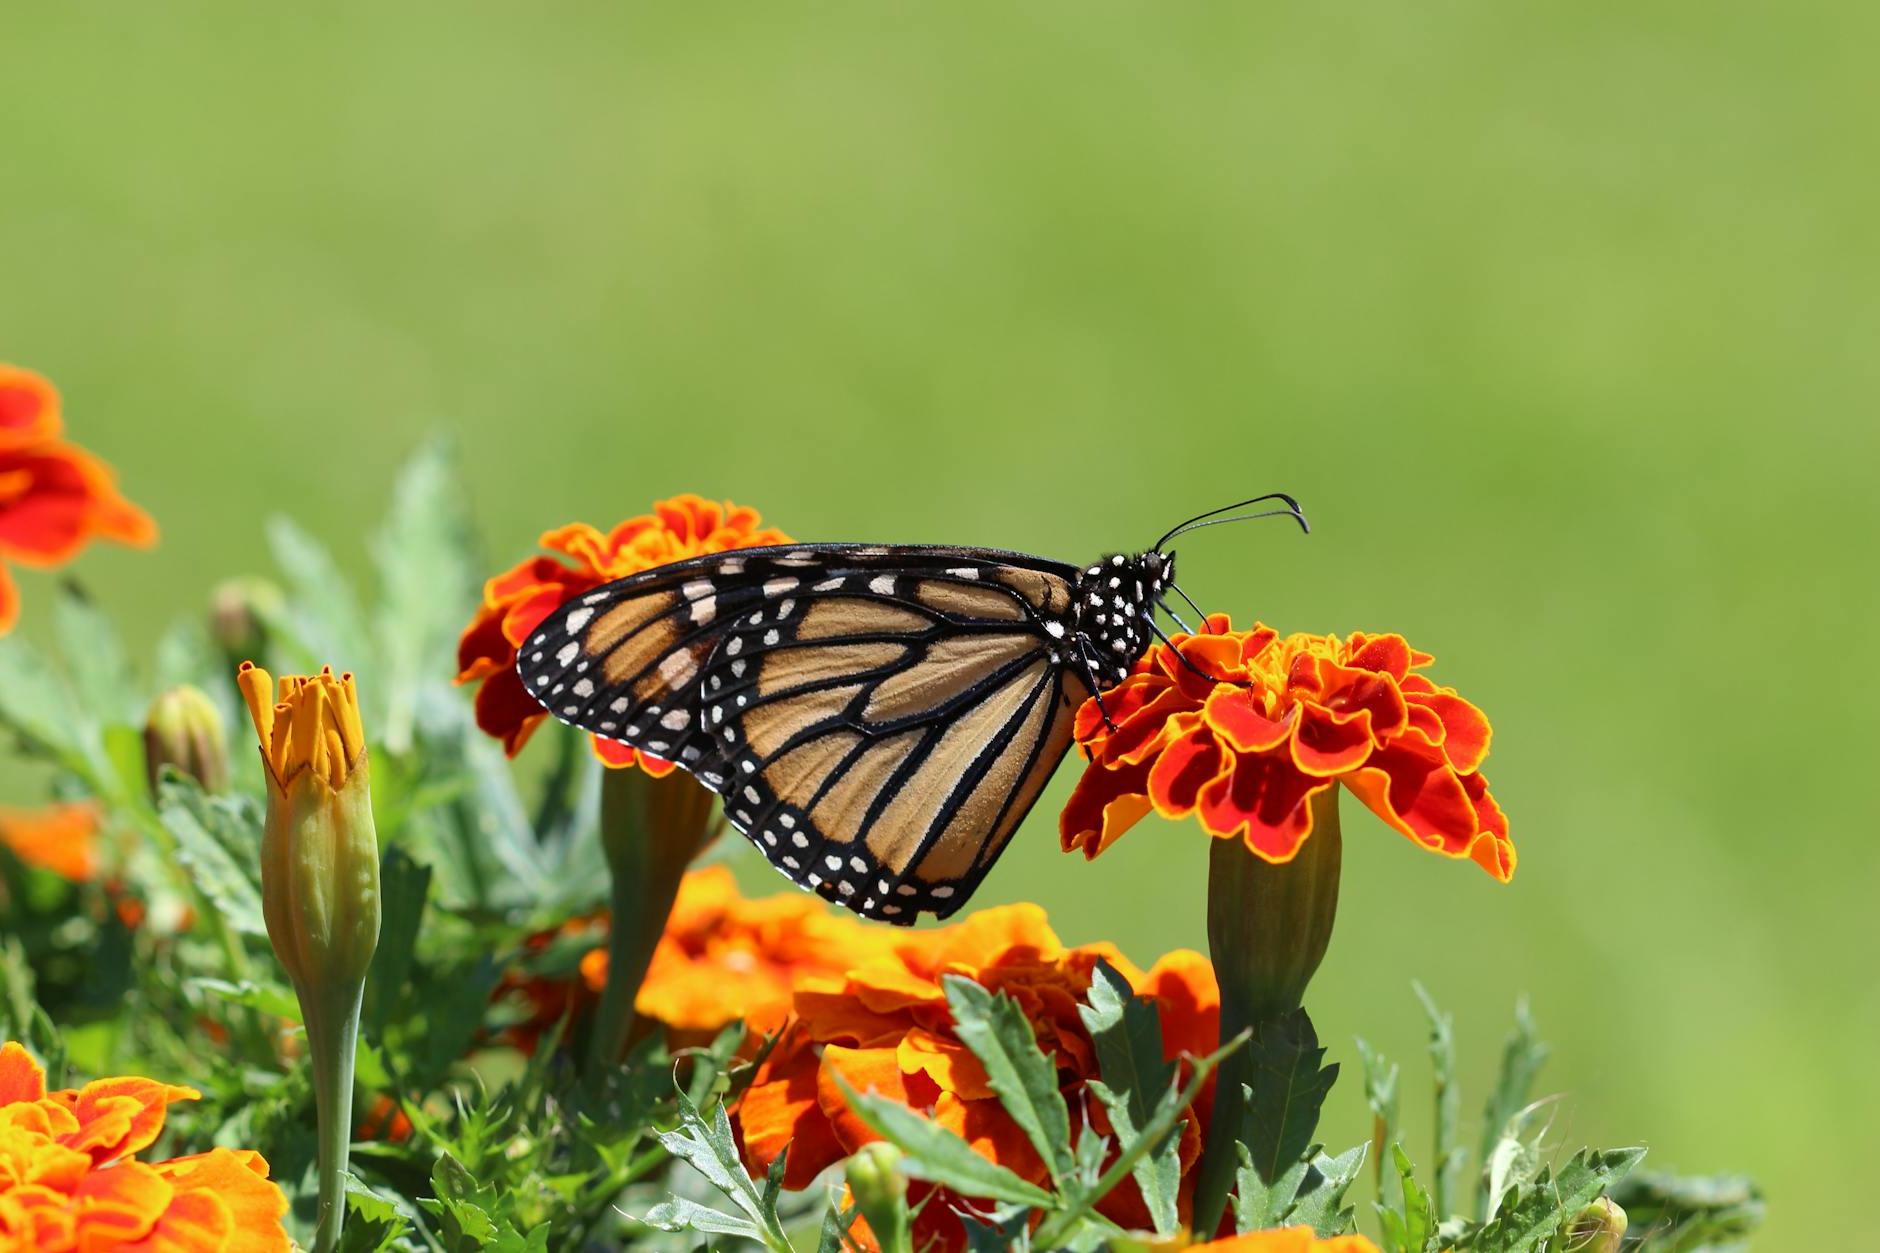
{"x":878,"y":719}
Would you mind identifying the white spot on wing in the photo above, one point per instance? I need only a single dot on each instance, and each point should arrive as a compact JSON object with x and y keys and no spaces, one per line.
{"x":577,"y":619}
{"x":882,"y":585}
{"x":568,"y":653}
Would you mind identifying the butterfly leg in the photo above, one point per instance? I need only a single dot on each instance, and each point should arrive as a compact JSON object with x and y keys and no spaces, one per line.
{"x":1096,"y":684}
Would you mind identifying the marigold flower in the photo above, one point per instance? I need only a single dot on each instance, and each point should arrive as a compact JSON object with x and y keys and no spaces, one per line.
{"x":1286,"y":1240}
{"x":516,"y":601}
{"x":70,"y":1180}
{"x":1279,"y":720}
{"x":723,"y":958}
{"x":54,"y":497}
{"x":885,"y":1026}
{"x":59,"y":838}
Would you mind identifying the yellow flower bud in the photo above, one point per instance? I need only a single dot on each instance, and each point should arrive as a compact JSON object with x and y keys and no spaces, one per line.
{"x":1599,"y":1228}
{"x":320,"y":887}
{"x":184,"y":730}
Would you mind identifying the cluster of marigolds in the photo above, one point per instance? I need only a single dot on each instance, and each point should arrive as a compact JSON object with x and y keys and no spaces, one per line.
{"x":1247,"y":752}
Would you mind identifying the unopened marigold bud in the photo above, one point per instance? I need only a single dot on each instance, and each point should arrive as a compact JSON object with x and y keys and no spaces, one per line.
{"x":320,"y":887}
{"x":184,"y":730}
{"x":880,"y":1192}
{"x":1599,"y":1228}
{"x":239,"y":610}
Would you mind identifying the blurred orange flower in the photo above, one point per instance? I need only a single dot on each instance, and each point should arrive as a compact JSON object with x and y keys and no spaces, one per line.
{"x":723,"y":958}
{"x":69,"y":1178}
{"x":59,"y":838}
{"x":516,"y":601}
{"x":885,"y":1026}
{"x":1278,"y":720}
{"x":1286,"y":1240}
{"x":54,"y":497}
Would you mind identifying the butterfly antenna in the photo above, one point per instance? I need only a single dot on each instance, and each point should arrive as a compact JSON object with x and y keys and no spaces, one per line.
{"x":1199,"y":611}
{"x":1212,"y":517}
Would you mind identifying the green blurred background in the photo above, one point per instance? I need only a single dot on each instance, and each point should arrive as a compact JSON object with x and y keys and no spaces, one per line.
{"x":1560,"y":319}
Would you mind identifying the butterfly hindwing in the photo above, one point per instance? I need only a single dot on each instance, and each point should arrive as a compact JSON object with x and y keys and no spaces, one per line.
{"x":878,"y":721}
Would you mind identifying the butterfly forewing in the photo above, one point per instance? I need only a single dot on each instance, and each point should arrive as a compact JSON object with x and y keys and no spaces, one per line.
{"x":878,"y":721}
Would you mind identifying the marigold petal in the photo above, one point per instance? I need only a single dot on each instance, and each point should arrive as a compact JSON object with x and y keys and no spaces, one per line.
{"x":119,"y":1116}
{"x":1418,"y":795}
{"x":29,"y":408}
{"x":238,"y":1178}
{"x":864,"y":1070}
{"x":1387,"y":654}
{"x":64,"y":498}
{"x":21,"y":1079}
{"x":1188,"y":1001}
{"x":1102,"y":806}
{"x":950,"y":1064}
{"x":1466,"y":732}
{"x":1492,"y":850}
{"x":1263,"y":801}
{"x":1327,"y":745}
{"x":9,"y":601}
{"x":121,"y":1204}
{"x":1186,"y":766}
{"x":505,"y":710}
{"x":1233,"y":713}
{"x":59,"y":838}
{"x":1285,"y":1240}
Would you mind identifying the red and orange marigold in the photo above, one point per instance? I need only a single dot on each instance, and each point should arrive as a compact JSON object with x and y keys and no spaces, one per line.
{"x":70,"y":1178}
{"x":54,"y":497}
{"x":59,"y":838}
{"x":516,"y":601}
{"x":885,"y":1025}
{"x":1286,"y":1240}
{"x":1271,"y":721}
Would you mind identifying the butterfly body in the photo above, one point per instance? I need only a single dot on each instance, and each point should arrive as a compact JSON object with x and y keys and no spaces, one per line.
{"x":878,"y":720}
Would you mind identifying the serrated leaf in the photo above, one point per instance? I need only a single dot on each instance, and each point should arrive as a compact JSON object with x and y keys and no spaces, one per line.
{"x":1447,"y":1178}
{"x":1321,"y":1202}
{"x":1262,"y":1203}
{"x":95,"y":664}
{"x":1158,"y":1174}
{"x":36,"y":704}
{"x":1531,"y":1215}
{"x":324,"y":617}
{"x":678,"y":1214}
{"x":1691,"y":1214}
{"x":709,"y":1148}
{"x":1522,"y":1057}
{"x":997,"y":1032}
{"x":936,"y":1154}
{"x":1128,"y":1035}
{"x":1380,"y":1092}
{"x":1288,"y":1088}
{"x":374,"y":1223}
{"x":1412,"y":1229}
{"x":427,"y":587}
{"x":218,"y":840}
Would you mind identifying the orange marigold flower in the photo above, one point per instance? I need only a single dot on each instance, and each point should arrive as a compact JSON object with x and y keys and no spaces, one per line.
{"x":1279,"y":720}
{"x":70,"y":1180}
{"x":723,"y":958}
{"x":885,"y":1026}
{"x":54,"y":497}
{"x":516,"y":601}
{"x":1286,"y":1240}
{"x":59,"y":838}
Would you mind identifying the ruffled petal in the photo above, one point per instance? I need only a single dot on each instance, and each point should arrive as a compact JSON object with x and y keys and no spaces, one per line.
{"x":1265,"y":802}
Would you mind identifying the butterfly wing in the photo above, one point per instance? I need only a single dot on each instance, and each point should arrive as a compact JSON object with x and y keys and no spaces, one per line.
{"x":879,"y":721}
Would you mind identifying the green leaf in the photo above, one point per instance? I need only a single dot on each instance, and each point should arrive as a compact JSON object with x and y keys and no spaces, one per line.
{"x":1321,"y":1203}
{"x":708,"y":1147}
{"x":678,"y":1214}
{"x":218,"y":839}
{"x":1521,"y":1060}
{"x":1694,"y":1214}
{"x":1532,"y":1214}
{"x":427,"y":586}
{"x":1158,"y":1174}
{"x":1380,"y":1091}
{"x":374,"y":1222}
{"x":1026,"y":1081}
{"x":1261,"y":1203}
{"x":1413,"y":1228}
{"x":937,"y":1155}
{"x":95,"y":664}
{"x":1449,"y":1152}
{"x":1287,"y":1090}
{"x":324,"y":618}
{"x":36,"y":704}
{"x":403,"y":885}
{"x":1128,"y":1035}
{"x":274,"y":999}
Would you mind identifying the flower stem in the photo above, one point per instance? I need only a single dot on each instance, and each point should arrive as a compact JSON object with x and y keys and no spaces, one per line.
{"x":332,"y":1040}
{"x":1268,"y":928}
{"x":650,"y":830}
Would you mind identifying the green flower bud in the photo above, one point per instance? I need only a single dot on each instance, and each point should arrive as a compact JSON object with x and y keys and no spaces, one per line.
{"x":320,"y":888}
{"x":880,"y":1192}
{"x":1599,"y":1228}
{"x":184,"y":730}
{"x":239,"y":610}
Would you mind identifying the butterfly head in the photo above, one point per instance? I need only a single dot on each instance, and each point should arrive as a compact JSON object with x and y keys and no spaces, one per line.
{"x":1114,"y":600}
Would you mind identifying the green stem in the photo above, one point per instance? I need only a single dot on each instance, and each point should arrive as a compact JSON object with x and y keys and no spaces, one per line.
{"x":650,"y":830}
{"x":332,"y":1041}
{"x":1268,"y":928}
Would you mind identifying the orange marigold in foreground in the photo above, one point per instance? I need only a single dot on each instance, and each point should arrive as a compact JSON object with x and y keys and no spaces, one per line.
{"x":59,"y":838}
{"x":1278,"y":720}
{"x":885,"y":1026}
{"x":516,"y":601}
{"x":54,"y":498}
{"x":1286,"y":1240}
{"x":723,"y":958}
{"x":69,"y":1177}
